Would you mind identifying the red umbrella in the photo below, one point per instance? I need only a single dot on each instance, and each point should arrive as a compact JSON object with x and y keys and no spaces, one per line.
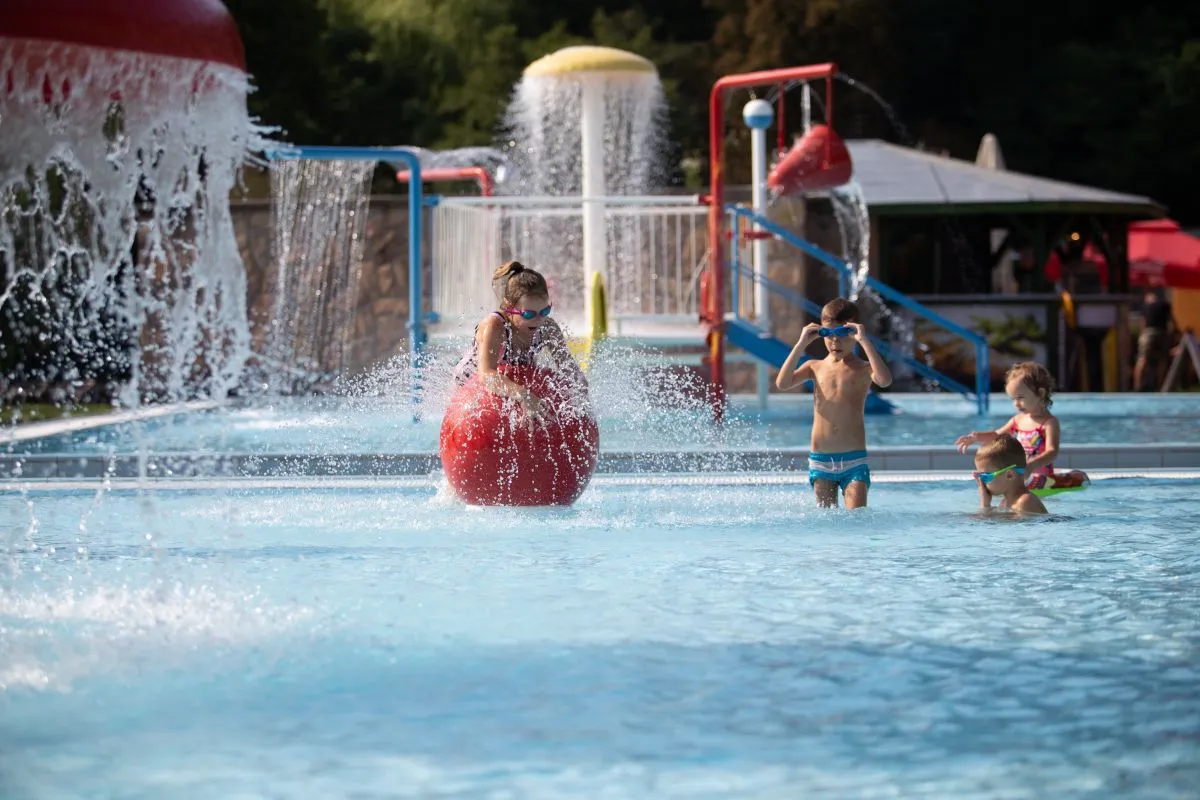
{"x":1160,"y":254}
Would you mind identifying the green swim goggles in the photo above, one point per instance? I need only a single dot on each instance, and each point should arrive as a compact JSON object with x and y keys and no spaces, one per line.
{"x":988,"y":477}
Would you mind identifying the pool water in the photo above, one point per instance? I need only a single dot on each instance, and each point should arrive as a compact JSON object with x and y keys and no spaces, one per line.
{"x":379,"y":425}
{"x":695,"y":637}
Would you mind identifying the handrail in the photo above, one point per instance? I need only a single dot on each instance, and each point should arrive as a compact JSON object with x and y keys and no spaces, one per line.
{"x":577,"y":200}
{"x":982,"y":355}
{"x":882,"y":345}
{"x":651,"y":261}
{"x":478,"y":174}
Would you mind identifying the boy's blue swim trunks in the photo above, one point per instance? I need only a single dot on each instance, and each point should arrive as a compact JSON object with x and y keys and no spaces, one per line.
{"x":841,"y":468}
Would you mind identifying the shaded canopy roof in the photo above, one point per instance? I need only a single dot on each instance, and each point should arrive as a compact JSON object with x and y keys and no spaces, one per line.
{"x":902,"y":180}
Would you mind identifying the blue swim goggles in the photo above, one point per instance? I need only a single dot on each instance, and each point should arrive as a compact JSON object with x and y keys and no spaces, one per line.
{"x":838,"y":332}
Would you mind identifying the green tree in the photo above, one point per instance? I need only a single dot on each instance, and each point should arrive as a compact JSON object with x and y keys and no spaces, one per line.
{"x":323,"y":76}
{"x":484,"y":45}
{"x":1074,"y":94}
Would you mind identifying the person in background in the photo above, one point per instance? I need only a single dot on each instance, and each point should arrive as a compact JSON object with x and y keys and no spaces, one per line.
{"x":1154,"y":342}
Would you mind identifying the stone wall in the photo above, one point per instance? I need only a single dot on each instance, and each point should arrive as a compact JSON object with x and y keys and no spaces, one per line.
{"x":381,"y":311}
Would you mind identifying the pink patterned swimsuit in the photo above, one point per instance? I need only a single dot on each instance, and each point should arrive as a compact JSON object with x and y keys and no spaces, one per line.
{"x":1044,"y":477}
{"x":1033,"y":441}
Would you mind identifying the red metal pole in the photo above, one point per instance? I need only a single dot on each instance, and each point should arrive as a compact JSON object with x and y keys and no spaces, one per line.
{"x":714,"y":315}
{"x":829,"y":118}
{"x":478,"y":174}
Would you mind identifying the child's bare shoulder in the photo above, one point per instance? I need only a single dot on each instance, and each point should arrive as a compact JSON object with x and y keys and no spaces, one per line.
{"x":1030,"y":504}
{"x":817,"y":364}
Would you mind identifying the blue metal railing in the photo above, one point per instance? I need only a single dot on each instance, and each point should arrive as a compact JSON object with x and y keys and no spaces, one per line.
{"x":982,"y":389}
{"x":885,"y":349}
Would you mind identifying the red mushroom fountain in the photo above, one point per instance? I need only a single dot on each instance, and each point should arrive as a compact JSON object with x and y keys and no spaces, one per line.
{"x":124,"y":127}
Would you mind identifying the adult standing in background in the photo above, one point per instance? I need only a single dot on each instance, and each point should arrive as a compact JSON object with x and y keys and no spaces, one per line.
{"x":1154,"y":342}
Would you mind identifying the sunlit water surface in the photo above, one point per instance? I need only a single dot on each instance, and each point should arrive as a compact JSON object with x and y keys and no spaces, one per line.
{"x":686,"y":638}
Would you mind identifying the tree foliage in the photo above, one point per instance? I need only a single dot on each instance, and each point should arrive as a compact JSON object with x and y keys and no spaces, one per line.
{"x":1071,"y":92}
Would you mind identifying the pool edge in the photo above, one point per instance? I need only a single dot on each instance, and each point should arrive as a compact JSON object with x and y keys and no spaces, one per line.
{"x":914,"y":458}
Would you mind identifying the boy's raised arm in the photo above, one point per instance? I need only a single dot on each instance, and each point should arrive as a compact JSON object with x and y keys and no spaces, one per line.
{"x":985,"y":497}
{"x":789,"y":375}
{"x":880,"y":374}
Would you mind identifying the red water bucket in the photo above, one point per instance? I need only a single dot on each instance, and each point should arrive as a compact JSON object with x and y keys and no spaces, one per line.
{"x":818,"y":161}
{"x":201,"y":30}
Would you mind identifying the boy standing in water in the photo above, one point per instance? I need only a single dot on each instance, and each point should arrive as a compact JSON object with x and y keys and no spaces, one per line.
{"x":841,"y":381}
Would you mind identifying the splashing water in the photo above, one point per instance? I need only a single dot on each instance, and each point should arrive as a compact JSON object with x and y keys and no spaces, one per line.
{"x":120,"y":277}
{"x":121,"y":281}
{"x":542,"y":133}
{"x":540,"y":156}
{"x":854,"y":223}
{"x":635,"y":389}
{"x":318,"y":218}
{"x":634,"y":394}
{"x":541,"y":137}
{"x":953,"y":231}
{"x":154,"y":624}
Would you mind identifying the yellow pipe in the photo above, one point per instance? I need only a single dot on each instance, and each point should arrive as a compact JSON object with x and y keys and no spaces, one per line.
{"x":596,"y":321}
{"x":1111,"y":362}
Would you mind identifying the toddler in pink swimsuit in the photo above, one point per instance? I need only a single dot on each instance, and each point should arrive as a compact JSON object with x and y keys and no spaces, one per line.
{"x":1030,"y":386}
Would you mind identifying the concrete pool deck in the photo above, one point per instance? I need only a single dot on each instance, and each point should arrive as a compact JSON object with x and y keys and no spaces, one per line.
{"x":916,"y":458}
{"x":30,"y":431}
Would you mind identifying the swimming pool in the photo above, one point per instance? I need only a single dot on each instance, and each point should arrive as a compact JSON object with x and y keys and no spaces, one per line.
{"x":346,"y":425}
{"x":694,"y":636}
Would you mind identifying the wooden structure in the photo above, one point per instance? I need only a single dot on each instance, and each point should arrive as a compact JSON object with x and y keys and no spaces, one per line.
{"x":932,"y":216}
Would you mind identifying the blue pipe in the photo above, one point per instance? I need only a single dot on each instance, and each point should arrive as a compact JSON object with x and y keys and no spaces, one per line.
{"x":735,"y":266}
{"x":416,"y":317}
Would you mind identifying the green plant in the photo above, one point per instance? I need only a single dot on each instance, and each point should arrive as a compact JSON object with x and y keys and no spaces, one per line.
{"x":1011,"y":335}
